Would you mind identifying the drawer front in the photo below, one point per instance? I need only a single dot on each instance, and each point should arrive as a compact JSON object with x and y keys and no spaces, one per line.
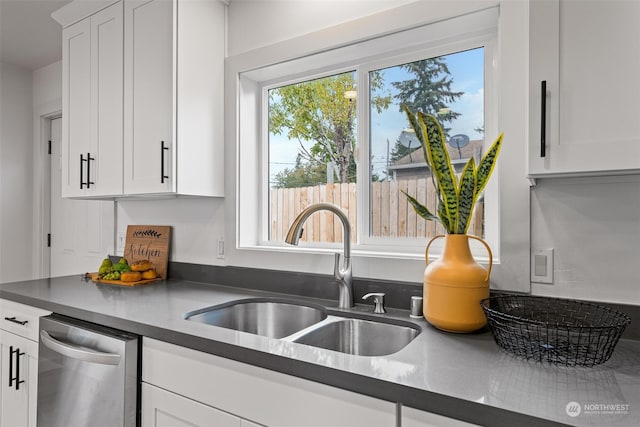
{"x":163,"y":408}
{"x":265,"y":397}
{"x":20,"y":319}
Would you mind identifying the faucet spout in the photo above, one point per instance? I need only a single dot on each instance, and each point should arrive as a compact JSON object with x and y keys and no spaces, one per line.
{"x":342,"y":273}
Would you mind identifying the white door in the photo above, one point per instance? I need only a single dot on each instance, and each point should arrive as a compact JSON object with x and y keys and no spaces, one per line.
{"x":81,"y":230}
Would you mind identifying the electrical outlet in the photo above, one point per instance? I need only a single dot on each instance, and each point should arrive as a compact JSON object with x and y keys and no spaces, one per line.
{"x":542,"y":266}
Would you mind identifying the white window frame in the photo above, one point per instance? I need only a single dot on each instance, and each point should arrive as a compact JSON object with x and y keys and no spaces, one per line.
{"x":411,"y":244}
{"x":388,"y":246}
{"x":249,"y":73}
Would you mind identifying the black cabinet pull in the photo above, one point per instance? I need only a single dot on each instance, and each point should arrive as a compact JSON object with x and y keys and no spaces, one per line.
{"x":15,"y":377}
{"x":89,"y":159}
{"x":162,"y":150}
{"x":14,"y":320}
{"x":82,"y":160}
{"x":543,"y":118}
{"x":10,"y":366}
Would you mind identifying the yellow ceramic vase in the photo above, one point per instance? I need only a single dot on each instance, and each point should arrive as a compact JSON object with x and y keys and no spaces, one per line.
{"x":454,"y":285}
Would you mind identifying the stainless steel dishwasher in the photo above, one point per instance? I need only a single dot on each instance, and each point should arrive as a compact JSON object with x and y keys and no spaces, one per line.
{"x":88,"y":375}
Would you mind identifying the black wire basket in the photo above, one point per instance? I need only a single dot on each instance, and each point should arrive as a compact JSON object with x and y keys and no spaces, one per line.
{"x":561,"y":331}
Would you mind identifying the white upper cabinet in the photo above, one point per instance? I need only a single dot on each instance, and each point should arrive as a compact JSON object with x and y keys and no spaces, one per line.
{"x":174,"y":94}
{"x":587,"y":53}
{"x":150,"y":97}
{"x":92,"y":105}
{"x":76,"y":105}
{"x":147,"y":93}
{"x":106,"y":94}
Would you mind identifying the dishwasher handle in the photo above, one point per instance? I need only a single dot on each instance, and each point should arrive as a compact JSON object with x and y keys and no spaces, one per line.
{"x":78,"y":353}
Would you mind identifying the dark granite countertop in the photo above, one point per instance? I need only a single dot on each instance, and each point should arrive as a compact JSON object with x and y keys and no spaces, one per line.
{"x":461,"y":376}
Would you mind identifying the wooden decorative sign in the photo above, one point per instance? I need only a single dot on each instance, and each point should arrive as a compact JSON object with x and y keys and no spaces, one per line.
{"x":149,"y":242}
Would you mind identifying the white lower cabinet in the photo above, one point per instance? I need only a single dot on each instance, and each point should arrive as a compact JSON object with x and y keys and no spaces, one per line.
{"x":161,"y":408}
{"x":18,"y":364}
{"x":197,"y":384}
{"x":20,"y":380}
{"x":415,"y":418}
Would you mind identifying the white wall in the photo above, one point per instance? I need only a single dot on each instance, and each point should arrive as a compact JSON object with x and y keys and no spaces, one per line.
{"x":256,"y":23}
{"x":593,"y":225}
{"x":47,"y":102}
{"x":47,"y":85}
{"x":597,"y":247}
{"x":198,"y":223}
{"x":16,"y":173}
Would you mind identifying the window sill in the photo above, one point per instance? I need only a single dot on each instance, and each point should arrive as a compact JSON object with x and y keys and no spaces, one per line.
{"x":359,"y":252}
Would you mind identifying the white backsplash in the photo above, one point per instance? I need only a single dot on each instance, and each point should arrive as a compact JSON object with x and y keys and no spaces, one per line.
{"x":593,"y":225}
{"x":197,"y":224}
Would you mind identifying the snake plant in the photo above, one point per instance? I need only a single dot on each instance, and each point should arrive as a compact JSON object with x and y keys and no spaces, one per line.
{"x":456,"y":197}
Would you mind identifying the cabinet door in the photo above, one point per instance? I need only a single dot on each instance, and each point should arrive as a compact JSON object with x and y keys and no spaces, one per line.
{"x":92,"y":104}
{"x":257,"y":394}
{"x":149,"y":115}
{"x":587,"y":54}
{"x":161,"y":408}
{"x":107,"y":102}
{"x":20,"y":376}
{"x":416,"y":418}
{"x":76,"y":106}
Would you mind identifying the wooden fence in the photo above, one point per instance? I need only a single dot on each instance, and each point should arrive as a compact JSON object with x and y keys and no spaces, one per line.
{"x":392,"y":215}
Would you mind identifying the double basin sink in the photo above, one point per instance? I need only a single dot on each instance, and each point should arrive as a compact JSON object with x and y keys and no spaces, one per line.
{"x":309,"y":324}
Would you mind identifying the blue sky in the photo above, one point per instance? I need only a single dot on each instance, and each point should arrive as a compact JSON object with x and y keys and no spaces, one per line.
{"x":467,"y":72}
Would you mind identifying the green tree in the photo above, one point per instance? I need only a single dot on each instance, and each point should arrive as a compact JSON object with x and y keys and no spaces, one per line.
{"x":318,"y":111}
{"x":304,"y":174}
{"x":429,"y":91}
{"x":399,"y":151}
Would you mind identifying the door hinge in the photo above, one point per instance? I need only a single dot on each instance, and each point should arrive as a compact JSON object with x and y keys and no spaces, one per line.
{"x":49,"y":149}
{"x":49,"y":240}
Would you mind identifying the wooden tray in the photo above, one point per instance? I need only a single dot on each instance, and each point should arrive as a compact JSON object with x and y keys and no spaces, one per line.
{"x":95,"y":278}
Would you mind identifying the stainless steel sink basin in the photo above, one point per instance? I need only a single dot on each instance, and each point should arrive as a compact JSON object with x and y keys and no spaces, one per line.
{"x":309,"y":324}
{"x":360,"y":337}
{"x":266,"y":317}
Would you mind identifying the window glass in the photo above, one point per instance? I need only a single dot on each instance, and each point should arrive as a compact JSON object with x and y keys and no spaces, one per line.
{"x":312,"y":129}
{"x":312,"y":142}
{"x":450,"y":87}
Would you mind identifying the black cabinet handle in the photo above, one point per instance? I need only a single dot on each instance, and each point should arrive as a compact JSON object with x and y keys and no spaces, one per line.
{"x":82,"y":160}
{"x":14,"y":320}
{"x":543,"y":118}
{"x":89,"y":159}
{"x":18,"y":380}
{"x":162,"y":150}
{"x":10,"y":366}
{"x":15,"y":377}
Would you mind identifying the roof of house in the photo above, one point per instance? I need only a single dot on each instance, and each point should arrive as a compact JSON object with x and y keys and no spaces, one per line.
{"x":415,"y":158}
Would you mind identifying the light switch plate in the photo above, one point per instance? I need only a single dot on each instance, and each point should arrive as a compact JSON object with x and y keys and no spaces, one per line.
{"x":220,"y":249}
{"x":122,"y":238}
{"x":542,"y":266}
